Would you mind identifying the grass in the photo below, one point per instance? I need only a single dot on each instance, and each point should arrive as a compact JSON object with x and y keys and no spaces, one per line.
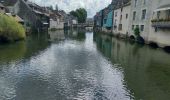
{"x":10,"y":29}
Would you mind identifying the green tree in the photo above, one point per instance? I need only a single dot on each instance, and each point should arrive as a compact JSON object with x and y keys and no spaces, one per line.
{"x":137,"y":31}
{"x":51,"y":8}
{"x":81,"y":14}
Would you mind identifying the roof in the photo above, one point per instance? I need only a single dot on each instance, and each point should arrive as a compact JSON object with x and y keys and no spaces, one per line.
{"x":16,"y":17}
{"x":163,"y":7}
{"x":1,"y":5}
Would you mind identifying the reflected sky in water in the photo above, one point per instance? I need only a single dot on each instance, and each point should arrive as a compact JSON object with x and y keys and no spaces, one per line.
{"x":67,"y":65}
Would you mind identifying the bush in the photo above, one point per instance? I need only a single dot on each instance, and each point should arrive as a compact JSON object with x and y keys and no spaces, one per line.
{"x":10,"y":29}
{"x":137,"y":31}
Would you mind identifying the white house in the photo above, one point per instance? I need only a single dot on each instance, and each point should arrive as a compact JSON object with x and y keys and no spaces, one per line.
{"x":160,"y":23}
{"x":56,"y":22}
{"x":141,"y":13}
{"x":121,"y":20}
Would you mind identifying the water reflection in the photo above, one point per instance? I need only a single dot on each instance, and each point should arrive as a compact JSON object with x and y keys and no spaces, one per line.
{"x":68,"y":65}
{"x":56,"y":35}
{"x":146,"y":70}
{"x":78,"y":34}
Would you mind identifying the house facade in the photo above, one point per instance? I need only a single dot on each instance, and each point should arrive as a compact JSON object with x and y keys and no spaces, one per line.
{"x":160,"y":23}
{"x":2,"y":8}
{"x":141,"y":13}
{"x":107,"y":19}
{"x":121,"y":20}
{"x":98,"y":20}
{"x":56,"y":20}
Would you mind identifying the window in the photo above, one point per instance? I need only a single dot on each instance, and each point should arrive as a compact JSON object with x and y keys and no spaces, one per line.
{"x":121,"y":9}
{"x":133,"y":26}
{"x":144,"y":2}
{"x":143,"y":14}
{"x":115,"y":14}
{"x":134,"y":15}
{"x":168,"y":14}
{"x":142,"y":28}
{"x":120,"y":27}
{"x":105,"y":21}
{"x":158,"y":14}
{"x":115,"y":21}
{"x":126,"y":16}
{"x":121,"y":17}
{"x":137,"y":26}
{"x":135,"y":3}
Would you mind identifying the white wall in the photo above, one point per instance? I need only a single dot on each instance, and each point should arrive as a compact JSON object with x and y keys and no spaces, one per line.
{"x":139,"y":21}
{"x":161,"y":36}
{"x":124,"y":21}
{"x":56,"y":24}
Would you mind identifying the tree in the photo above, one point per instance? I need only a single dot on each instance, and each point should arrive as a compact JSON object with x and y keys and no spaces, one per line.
{"x":137,"y":31}
{"x":56,"y":7}
{"x":81,"y":14}
{"x":51,"y":8}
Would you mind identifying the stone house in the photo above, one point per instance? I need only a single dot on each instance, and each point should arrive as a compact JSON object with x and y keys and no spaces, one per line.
{"x":2,"y":8}
{"x":107,"y":19}
{"x":56,"y":21}
{"x":141,"y":12}
{"x":42,"y":15}
{"x":70,"y":21}
{"x":98,"y":20}
{"x":160,"y":23}
{"x":121,"y":20}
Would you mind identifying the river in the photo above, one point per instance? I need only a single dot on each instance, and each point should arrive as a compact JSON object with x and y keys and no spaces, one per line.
{"x":79,"y":65}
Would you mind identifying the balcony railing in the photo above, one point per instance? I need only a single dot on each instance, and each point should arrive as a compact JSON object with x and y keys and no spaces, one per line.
{"x":161,"y":23}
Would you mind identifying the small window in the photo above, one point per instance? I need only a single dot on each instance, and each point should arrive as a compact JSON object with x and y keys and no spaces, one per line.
{"x":120,"y":27}
{"x":143,"y":14}
{"x":105,"y":21}
{"x":133,"y":26}
{"x":142,"y":28}
{"x":115,"y":21}
{"x":115,"y":14}
{"x":156,"y":29}
{"x":135,"y":3}
{"x":137,"y":26}
{"x":121,"y":9}
{"x":126,"y":16}
{"x":144,"y":2}
{"x":158,"y":14}
{"x":121,"y":17}
{"x":134,"y":15}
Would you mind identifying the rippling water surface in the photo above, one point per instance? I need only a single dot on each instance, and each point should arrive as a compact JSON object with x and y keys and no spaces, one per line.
{"x":78,"y":65}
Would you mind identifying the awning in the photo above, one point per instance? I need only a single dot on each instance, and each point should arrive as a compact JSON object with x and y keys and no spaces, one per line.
{"x":163,"y":8}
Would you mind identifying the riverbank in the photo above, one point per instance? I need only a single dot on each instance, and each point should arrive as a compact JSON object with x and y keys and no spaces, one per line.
{"x":132,"y":39}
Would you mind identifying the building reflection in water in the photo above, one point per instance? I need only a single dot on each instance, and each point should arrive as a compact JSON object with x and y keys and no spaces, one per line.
{"x":146,"y":70}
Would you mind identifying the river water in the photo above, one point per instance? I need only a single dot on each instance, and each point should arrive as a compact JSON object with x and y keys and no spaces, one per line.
{"x":79,"y":65}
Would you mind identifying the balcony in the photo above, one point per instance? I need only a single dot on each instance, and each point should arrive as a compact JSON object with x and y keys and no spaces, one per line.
{"x":161,"y":23}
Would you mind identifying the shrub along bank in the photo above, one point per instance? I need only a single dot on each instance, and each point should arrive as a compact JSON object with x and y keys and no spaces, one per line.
{"x":10,"y":29}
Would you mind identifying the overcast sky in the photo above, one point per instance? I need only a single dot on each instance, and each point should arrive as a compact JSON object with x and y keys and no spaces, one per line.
{"x":92,"y":6}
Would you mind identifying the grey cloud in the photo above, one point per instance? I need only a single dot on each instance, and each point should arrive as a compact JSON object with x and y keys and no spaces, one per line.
{"x":92,"y":6}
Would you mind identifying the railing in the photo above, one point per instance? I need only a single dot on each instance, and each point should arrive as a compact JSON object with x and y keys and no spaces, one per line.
{"x":161,"y":23}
